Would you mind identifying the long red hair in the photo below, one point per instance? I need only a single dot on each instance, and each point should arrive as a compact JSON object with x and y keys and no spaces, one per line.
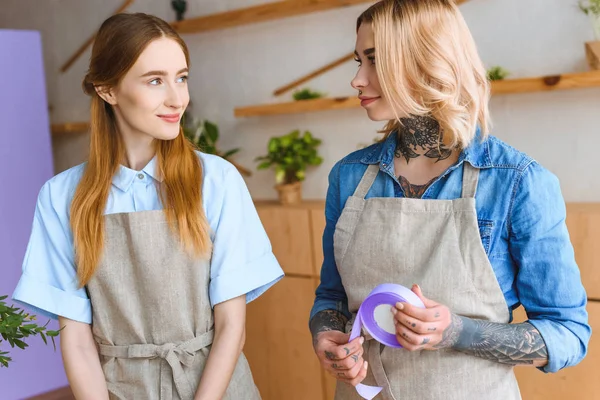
{"x":118,"y":44}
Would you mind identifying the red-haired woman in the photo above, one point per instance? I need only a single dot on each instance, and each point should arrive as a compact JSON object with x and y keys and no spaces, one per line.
{"x":148,"y":253}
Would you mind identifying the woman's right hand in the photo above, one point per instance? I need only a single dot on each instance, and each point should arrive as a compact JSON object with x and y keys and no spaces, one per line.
{"x":343,"y":360}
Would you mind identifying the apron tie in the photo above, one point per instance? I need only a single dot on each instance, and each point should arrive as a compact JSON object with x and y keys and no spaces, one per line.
{"x":172,"y":356}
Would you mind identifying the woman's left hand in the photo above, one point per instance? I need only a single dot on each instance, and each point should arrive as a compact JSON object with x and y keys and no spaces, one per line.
{"x":418,"y":328}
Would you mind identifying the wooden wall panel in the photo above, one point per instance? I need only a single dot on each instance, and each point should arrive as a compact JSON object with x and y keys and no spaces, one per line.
{"x":279,"y":345}
{"x":289,"y":232}
{"x":583,"y":222}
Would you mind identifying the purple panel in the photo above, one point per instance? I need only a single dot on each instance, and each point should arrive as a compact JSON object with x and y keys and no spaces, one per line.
{"x":25,"y":164}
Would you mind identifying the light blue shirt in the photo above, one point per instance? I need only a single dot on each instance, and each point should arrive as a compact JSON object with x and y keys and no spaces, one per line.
{"x":242,"y":260}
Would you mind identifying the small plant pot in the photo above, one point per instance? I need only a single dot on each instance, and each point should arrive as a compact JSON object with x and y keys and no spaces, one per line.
{"x":290,"y":193}
{"x":592,"y":53}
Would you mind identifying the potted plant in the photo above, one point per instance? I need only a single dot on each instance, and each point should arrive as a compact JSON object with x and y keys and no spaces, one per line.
{"x":497,"y":73}
{"x":205,"y":134}
{"x":290,"y":155}
{"x":592,"y":49}
{"x":180,"y":7}
{"x":16,"y":326}
{"x":307,"y":94}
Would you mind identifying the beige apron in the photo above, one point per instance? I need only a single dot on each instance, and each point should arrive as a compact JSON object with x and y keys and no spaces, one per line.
{"x":436,"y":244}
{"x":152,"y":317}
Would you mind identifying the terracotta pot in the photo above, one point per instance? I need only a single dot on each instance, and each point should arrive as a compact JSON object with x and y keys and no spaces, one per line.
{"x":290,"y":193}
{"x":592,"y":53}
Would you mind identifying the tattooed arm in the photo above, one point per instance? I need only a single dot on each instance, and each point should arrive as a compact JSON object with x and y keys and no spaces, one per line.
{"x":435,"y":327}
{"x":327,"y":320}
{"x":514,"y":344}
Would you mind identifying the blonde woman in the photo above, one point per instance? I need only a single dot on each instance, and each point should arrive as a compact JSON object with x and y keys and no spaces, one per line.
{"x":148,"y":253}
{"x":473,"y":226}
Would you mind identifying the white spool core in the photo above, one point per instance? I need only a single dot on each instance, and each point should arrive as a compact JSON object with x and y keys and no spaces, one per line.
{"x":384,"y":318}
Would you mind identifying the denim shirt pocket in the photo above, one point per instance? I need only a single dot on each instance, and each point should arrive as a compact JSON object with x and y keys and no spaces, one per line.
{"x":485,"y":231}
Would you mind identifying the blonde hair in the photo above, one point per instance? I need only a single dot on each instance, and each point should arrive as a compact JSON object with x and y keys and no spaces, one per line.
{"x":428,"y":65}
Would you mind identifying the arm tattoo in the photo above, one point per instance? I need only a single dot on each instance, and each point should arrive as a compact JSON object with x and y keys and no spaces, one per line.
{"x":327,"y":320}
{"x":513,"y":344}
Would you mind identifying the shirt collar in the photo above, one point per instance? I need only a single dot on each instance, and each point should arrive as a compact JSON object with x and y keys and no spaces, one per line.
{"x":125,"y":176}
{"x":477,"y":153}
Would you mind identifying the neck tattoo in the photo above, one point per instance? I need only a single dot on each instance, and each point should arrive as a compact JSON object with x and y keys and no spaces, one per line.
{"x":421,"y":136}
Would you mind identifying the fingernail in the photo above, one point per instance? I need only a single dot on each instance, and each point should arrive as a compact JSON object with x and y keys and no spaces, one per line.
{"x":418,"y":287}
{"x":365,"y":365}
{"x":400,"y":306}
{"x":394,"y":311}
{"x":361,"y":340}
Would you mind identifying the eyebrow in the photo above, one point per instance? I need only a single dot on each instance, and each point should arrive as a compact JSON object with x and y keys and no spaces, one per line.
{"x":367,"y":52}
{"x":163,"y":73}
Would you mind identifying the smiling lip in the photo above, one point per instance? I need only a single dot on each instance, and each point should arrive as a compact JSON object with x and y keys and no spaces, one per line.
{"x":173,"y":118}
{"x":365,"y":101}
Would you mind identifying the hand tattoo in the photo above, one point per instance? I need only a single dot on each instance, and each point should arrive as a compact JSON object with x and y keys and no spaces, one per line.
{"x":513,"y":344}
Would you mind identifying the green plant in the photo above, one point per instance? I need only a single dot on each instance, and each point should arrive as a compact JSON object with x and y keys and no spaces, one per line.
{"x":497,"y":73}
{"x":15,"y":326}
{"x":590,"y":7}
{"x":307,"y":94}
{"x":205,"y":134}
{"x":180,"y":7}
{"x":290,"y":155}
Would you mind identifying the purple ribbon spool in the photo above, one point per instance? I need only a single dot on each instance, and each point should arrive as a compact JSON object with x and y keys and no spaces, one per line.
{"x":384,"y":294}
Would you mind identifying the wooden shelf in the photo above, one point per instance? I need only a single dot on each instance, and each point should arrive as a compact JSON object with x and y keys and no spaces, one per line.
{"x":547,"y":83}
{"x":295,"y":107}
{"x":508,"y":86}
{"x":69,"y":128}
{"x":260,"y":13}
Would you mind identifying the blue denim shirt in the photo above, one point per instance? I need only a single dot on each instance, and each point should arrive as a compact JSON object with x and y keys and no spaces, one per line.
{"x":521,"y":215}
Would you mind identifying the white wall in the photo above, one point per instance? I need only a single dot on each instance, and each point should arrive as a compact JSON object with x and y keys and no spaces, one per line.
{"x":242,"y":66}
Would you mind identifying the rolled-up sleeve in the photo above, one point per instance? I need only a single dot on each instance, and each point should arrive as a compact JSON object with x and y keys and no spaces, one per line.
{"x":49,"y":285}
{"x":548,"y":280}
{"x":242,"y":260}
{"x":330,"y":294}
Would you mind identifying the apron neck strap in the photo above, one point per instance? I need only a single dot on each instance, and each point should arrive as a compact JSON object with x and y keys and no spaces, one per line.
{"x":367,"y":181}
{"x":470,"y":179}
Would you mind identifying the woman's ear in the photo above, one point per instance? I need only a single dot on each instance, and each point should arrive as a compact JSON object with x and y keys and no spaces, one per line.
{"x":108,"y":95}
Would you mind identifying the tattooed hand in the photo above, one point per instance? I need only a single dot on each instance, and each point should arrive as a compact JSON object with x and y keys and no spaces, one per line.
{"x":343,"y":360}
{"x":422,"y":329}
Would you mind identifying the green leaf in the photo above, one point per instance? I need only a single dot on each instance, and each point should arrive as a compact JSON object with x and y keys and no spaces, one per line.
{"x":264,"y":165}
{"x":273,"y":145}
{"x":44,"y":338}
{"x":229,"y":153}
{"x":279,"y":175}
{"x":4,"y":361}
{"x":20,"y":344}
{"x":3,"y":297}
{"x":212,"y":131}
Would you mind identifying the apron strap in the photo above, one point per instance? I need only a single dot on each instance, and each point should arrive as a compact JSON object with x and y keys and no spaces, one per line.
{"x":470,"y":179}
{"x":173,"y":357}
{"x":367,"y":181}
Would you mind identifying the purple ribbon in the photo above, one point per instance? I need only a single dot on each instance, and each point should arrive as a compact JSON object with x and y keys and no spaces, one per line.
{"x":384,"y":294}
